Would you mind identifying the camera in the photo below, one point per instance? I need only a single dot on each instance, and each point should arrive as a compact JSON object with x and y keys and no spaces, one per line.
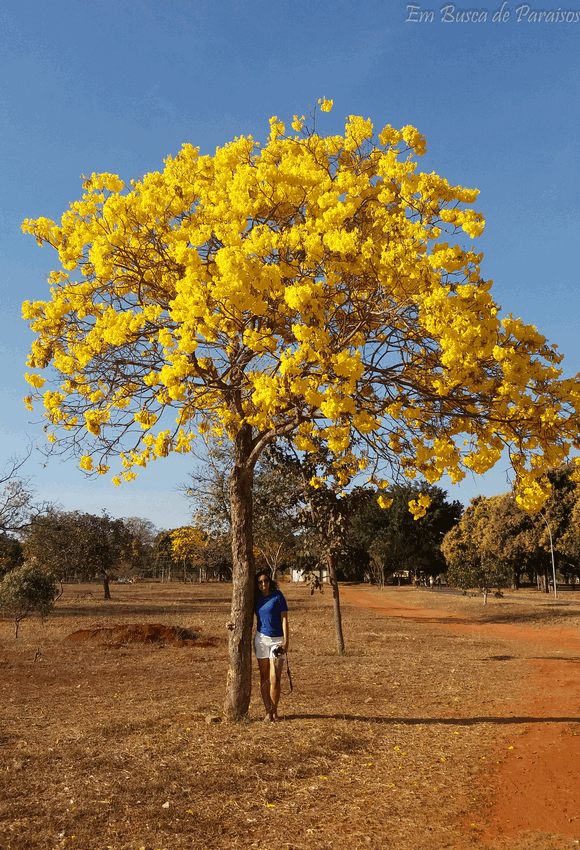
{"x":278,"y":651}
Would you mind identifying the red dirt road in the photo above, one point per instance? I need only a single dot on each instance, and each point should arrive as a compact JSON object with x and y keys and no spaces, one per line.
{"x":536,"y":791}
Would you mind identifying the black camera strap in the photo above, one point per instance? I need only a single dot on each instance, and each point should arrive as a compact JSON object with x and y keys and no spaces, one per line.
{"x":287,"y":670}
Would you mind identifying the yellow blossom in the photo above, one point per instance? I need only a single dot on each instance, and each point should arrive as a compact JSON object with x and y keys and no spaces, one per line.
{"x":310,"y":287}
{"x":418,"y":507}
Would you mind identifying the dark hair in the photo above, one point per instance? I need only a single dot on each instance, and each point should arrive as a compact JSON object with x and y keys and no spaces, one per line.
{"x":257,"y":590}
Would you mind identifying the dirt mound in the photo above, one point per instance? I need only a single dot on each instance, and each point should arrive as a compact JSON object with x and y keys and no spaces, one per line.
{"x":140,"y":633}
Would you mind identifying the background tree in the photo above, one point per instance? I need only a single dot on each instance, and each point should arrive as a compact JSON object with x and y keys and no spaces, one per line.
{"x":188,"y":545}
{"x":211,"y":555}
{"x":396,"y":540}
{"x":325,"y":507}
{"x":17,"y":497}
{"x":208,"y":485}
{"x":163,"y":556}
{"x":139,"y":553}
{"x":559,"y":513}
{"x":78,"y":545}
{"x":218,"y":557}
{"x":514,"y":537}
{"x":570,"y":541}
{"x":470,"y":554}
{"x":522,"y":541}
{"x":11,"y":554}
{"x":25,"y":590}
{"x":17,"y":508}
{"x":301,"y":288}
{"x":274,"y":501}
{"x":50,"y":542}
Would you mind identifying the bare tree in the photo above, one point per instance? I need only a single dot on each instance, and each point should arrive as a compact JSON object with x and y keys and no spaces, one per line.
{"x":275,"y":501}
{"x":16,"y":496}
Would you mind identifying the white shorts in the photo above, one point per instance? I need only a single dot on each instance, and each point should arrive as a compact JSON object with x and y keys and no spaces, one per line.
{"x":263,"y":645}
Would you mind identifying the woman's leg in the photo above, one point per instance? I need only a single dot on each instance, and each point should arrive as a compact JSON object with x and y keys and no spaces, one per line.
{"x":265,"y":687}
{"x":276,"y":666}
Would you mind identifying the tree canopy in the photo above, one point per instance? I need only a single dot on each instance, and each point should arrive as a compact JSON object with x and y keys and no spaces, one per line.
{"x":69,"y":544}
{"x":302,"y":286}
{"x":11,"y":554}
{"x":398,"y":541}
{"x":472,"y":558}
{"x":188,"y":545}
{"x":496,"y":533}
{"x":141,"y":534}
{"x":25,"y":590}
{"x":306,"y":288}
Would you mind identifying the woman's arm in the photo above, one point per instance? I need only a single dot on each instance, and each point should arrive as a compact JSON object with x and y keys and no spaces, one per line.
{"x":284,"y":618}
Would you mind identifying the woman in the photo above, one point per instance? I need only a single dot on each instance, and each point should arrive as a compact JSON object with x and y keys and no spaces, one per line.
{"x":270,"y":641}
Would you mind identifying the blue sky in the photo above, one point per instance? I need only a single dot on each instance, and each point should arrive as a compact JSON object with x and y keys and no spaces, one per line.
{"x":97,"y":85}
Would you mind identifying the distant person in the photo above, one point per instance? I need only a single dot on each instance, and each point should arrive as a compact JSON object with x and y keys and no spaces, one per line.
{"x":270,"y":640}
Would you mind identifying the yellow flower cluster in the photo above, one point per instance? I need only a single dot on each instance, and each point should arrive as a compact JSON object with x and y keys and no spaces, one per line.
{"x":310,"y":287}
{"x":418,"y":507}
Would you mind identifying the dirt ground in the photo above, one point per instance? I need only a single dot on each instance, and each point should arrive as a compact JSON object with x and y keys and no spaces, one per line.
{"x":445,"y":725}
{"x":536,"y":788}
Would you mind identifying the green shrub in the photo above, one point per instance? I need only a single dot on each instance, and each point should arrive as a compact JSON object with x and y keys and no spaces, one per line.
{"x":26,"y":590}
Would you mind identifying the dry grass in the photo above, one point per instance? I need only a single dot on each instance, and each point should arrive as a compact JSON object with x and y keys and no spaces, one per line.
{"x":107,"y":746}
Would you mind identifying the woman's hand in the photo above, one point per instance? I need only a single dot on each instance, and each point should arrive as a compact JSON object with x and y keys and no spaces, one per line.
{"x":230,"y":626}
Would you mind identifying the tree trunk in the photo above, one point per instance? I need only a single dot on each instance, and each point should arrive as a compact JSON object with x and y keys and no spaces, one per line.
{"x":106,"y":586}
{"x":543,"y":583}
{"x":331,"y":561}
{"x":239,"y":680}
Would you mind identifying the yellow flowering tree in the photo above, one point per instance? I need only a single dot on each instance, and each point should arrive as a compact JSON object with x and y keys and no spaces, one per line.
{"x":188,"y":544}
{"x":310,"y":287}
{"x":472,"y":559}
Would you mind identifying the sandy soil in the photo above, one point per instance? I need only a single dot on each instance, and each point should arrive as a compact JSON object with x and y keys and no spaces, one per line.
{"x":536,"y":790}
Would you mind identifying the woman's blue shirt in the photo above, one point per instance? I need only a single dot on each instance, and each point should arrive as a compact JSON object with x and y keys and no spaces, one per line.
{"x":268,"y":610}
